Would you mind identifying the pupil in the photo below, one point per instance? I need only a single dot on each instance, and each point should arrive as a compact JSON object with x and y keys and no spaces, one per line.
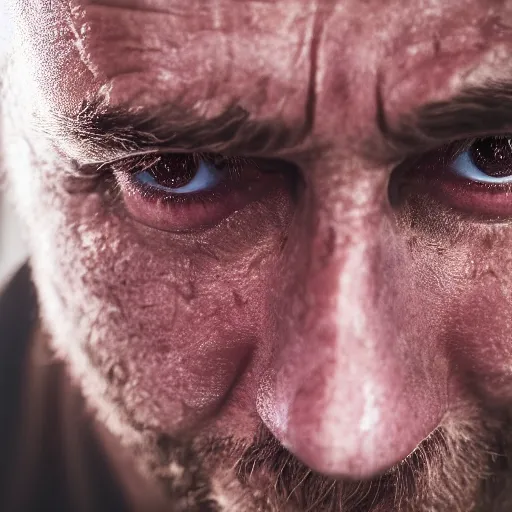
{"x":493,"y":156}
{"x":174,"y":170}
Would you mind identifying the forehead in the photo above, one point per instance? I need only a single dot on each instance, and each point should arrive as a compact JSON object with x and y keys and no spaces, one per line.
{"x":314,"y":62}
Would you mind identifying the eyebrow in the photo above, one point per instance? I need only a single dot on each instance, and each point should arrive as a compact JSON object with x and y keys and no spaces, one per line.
{"x":124,"y":131}
{"x":475,"y":112}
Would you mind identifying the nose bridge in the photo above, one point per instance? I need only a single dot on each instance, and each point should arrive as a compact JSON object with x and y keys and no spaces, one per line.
{"x":347,"y":284}
{"x":350,"y":319}
{"x":354,"y":285}
{"x":349,"y":394}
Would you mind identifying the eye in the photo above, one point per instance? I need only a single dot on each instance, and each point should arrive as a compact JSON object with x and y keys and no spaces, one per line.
{"x":188,"y":192}
{"x":474,"y":177}
{"x":486,"y":161}
{"x":186,"y":175}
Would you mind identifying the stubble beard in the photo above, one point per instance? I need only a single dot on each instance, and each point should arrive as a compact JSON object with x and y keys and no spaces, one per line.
{"x":461,"y":467}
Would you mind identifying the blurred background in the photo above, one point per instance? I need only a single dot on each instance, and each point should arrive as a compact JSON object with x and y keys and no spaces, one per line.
{"x":12,"y":249}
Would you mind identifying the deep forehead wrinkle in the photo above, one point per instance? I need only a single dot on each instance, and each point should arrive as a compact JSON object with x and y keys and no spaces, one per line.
{"x":213,"y":52}
{"x":444,"y":28}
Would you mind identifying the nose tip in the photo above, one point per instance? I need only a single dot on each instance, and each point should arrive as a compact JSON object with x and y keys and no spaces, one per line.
{"x":360,"y":429}
{"x":350,"y":451}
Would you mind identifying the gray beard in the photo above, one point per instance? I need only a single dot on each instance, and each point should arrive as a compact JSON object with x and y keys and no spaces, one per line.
{"x":463,"y":466}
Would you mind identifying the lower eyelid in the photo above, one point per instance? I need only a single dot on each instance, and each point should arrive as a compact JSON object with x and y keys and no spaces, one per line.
{"x":168,"y":211}
{"x":432,"y":180}
{"x":480,"y":201}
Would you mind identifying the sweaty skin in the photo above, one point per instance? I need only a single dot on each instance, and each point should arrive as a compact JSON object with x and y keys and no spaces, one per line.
{"x":352,"y":329}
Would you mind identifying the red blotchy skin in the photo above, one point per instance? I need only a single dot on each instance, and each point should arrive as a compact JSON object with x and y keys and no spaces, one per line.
{"x":349,"y":327}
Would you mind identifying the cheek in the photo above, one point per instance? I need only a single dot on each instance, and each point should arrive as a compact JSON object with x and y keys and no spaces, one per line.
{"x":463,"y":292}
{"x":481,"y":320}
{"x":162,"y":325}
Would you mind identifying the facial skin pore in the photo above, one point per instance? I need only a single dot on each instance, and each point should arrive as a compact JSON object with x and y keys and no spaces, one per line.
{"x":332,"y":327}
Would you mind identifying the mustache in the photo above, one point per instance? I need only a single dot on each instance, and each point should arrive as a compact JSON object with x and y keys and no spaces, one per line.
{"x":455,"y":469}
{"x":421,"y":482}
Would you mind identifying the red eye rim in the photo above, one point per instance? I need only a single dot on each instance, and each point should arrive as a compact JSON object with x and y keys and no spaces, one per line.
{"x":480,"y":199}
{"x":248,"y":180}
{"x":431,"y":174}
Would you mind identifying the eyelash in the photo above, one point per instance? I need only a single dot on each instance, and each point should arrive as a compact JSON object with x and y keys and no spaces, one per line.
{"x":127,"y":168}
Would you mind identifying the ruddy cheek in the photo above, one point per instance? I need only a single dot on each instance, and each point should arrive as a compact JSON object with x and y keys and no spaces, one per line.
{"x":479,"y":333}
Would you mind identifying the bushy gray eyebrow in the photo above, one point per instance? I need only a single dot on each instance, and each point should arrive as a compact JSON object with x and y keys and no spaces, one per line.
{"x":174,"y":128}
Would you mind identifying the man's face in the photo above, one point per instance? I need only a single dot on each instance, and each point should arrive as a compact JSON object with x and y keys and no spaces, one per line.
{"x":339,"y":299}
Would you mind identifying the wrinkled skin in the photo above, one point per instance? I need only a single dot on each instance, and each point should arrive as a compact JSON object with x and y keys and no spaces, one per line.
{"x":352,"y":327}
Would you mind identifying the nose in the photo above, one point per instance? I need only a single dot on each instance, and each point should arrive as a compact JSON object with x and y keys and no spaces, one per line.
{"x":358,"y":378}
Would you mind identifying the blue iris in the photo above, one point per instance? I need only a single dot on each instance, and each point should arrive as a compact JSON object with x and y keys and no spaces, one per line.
{"x":205,"y":178}
{"x":465,"y":167}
